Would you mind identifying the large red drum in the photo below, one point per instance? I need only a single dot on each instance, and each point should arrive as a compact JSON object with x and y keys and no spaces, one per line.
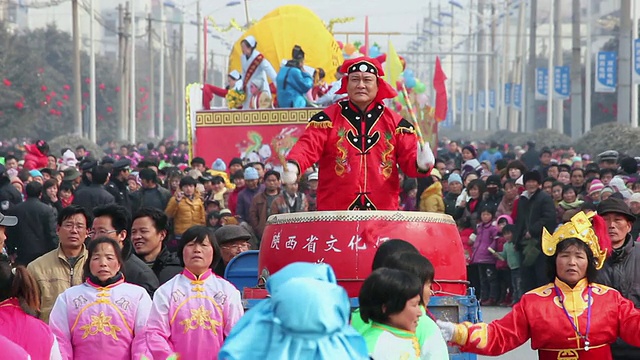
{"x":347,"y":240}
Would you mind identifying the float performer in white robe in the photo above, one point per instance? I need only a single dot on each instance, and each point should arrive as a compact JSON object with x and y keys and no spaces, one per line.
{"x":254,"y":64}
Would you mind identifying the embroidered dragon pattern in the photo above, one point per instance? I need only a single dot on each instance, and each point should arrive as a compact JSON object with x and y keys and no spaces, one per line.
{"x":387,"y":161}
{"x":341,"y":158}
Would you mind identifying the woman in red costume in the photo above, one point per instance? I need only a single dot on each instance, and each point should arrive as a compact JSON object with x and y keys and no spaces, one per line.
{"x":358,"y":144}
{"x":570,"y":318}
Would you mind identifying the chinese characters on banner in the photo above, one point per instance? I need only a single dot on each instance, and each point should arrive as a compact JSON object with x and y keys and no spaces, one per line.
{"x":507,"y":94}
{"x":542,"y":83}
{"x":561,"y":83}
{"x":636,"y":61}
{"x":517,"y":97}
{"x":492,"y":99}
{"x":606,"y":72}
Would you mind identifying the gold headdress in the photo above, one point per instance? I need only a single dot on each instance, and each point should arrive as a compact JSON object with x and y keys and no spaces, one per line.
{"x":580,"y":227}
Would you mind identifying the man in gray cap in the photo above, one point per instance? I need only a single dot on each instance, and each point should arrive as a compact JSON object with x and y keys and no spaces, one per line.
{"x":608,"y":160}
{"x":621,"y":270}
{"x":233,"y":240}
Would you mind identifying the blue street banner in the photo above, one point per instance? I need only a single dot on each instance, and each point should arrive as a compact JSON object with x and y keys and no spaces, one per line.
{"x":471,"y":103}
{"x":561,"y":83}
{"x":517,"y":97}
{"x":448,"y":121}
{"x":606,"y":72}
{"x":542,"y":83}
{"x":636,"y":61}
{"x":459,"y":103}
{"x":507,"y":94}
{"x":482,"y":101}
{"x":492,"y":99}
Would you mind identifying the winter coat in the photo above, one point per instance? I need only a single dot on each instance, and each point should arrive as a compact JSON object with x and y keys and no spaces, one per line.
{"x":431,"y":199}
{"x":9,"y":195}
{"x":34,"y":159}
{"x":280,"y":205}
{"x":621,"y":271}
{"x":245,"y":198}
{"x":505,"y":207}
{"x":450,"y":205}
{"x":186,"y":213}
{"x":157,"y":197}
{"x":92,"y":196}
{"x":259,"y":213}
{"x":136,"y":271}
{"x":511,"y":256}
{"x":492,"y":155}
{"x":35,"y":233}
{"x":501,"y":264}
{"x":233,"y":200}
{"x":534,"y":214}
{"x":293,"y":84}
{"x":166,"y":266}
{"x":492,"y":200}
{"x":120,"y":192}
{"x":485,"y":238}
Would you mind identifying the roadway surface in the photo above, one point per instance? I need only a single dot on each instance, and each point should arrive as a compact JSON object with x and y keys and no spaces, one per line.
{"x":524,"y":352}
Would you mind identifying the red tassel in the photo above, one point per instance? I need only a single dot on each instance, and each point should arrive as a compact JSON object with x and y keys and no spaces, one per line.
{"x":600,"y":229}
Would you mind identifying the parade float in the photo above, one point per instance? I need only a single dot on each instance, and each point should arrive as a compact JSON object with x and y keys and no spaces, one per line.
{"x":346,"y":240}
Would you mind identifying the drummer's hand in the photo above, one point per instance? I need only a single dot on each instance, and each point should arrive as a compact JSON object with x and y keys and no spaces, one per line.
{"x":447,"y":329}
{"x":290,"y":175}
{"x":426,"y":160}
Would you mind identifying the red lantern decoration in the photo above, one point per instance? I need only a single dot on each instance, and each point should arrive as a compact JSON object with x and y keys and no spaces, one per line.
{"x":340,"y":44}
{"x":117,"y":89}
{"x":84,"y":107}
{"x":53,"y":94}
{"x":66,"y":87}
{"x":100,"y":117}
{"x":19,"y":104}
{"x":85,"y":95}
{"x":40,"y":70}
{"x":52,"y":111}
{"x":65,"y":97}
{"x":43,"y":88}
{"x":7,"y":83}
{"x":102,"y":86}
{"x":143,"y":89}
{"x":60,"y":104}
{"x":109,"y":109}
{"x":87,"y":80}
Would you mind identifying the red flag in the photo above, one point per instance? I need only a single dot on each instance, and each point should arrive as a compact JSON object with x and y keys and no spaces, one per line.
{"x":441,"y":92}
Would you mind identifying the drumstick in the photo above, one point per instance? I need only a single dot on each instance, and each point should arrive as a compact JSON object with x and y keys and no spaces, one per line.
{"x":413,"y":115}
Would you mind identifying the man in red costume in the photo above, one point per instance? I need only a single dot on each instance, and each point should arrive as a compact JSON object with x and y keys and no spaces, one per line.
{"x":358,"y":144}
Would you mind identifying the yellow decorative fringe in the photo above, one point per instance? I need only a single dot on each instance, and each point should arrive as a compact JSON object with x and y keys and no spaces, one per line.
{"x":320,"y":124}
{"x":403,"y":130}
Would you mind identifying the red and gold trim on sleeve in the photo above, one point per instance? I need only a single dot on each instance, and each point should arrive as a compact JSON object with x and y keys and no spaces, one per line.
{"x":468,"y":334}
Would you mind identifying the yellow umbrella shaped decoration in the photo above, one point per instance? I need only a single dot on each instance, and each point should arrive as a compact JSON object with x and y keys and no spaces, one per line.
{"x":277,"y":33}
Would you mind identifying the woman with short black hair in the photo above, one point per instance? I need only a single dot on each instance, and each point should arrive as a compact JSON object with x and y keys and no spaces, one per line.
{"x":390,"y":299}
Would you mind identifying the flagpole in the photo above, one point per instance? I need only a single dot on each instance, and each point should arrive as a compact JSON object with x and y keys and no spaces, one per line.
{"x":405,"y":93}
{"x":366,"y":36}
{"x":204,"y":70}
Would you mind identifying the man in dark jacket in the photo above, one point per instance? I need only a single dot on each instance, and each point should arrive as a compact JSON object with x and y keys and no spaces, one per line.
{"x":113,"y":221}
{"x":94,"y":195}
{"x":151,"y":194}
{"x":9,"y":195}
{"x":535,"y":212}
{"x":621,"y":271}
{"x":118,"y":184}
{"x":35,"y":234}
{"x":493,"y":196}
{"x":450,"y":198}
{"x":531,"y":158}
{"x":148,"y":231}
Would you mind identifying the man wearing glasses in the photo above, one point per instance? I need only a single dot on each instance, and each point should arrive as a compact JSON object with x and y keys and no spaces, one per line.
{"x":233,"y":240}
{"x":61,"y":268}
{"x":113,"y":221}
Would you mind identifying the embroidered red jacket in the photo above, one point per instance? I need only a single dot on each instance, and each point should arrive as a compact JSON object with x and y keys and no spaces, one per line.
{"x":358,"y":155}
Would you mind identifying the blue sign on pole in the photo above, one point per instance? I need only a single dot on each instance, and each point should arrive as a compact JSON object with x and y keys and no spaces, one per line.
{"x":517,"y":96}
{"x":507,"y":93}
{"x":470,"y":101}
{"x":492,"y":99}
{"x":542,"y":83}
{"x":561,"y":83}
{"x":606,"y":72}
{"x":482,"y":103}
{"x":459,"y":103}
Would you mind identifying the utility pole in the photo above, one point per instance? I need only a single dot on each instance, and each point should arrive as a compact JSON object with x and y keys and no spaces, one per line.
{"x":163,"y":29}
{"x":77,"y":84}
{"x":122,"y":68}
{"x":576,"y":72}
{"x":183,"y":84}
{"x":558,"y":106}
{"x":624,"y":64}
{"x":199,"y":44}
{"x":550,"y":68}
{"x":174,"y":81}
{"x":530,"y":101}
{"x":246,"y":12}
{"x":132,"y":81}
{"x":152,"y":79}
{"x":92,"y":76}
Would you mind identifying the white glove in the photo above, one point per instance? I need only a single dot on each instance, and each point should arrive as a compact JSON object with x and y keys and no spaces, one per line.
{"x":426,"y":160}
{"x":447,"y":329}
{"x":290,"y":175}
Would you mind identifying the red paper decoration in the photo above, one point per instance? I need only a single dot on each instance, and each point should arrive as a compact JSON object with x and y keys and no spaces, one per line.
{"x":102,"y":86}
{"x":109,"y":109}
{"x":40,"y":70}
{"x":85,"y":95}
{"x":43,"y":88}
{"x":65,"y":97}
{"x":19,"y":104}
{"x":117,"y":88}
{"x":66,"y":87}
{"x":52,"y":111}
{"x":60,"y":104}
{"x":53,"y":94}
{"x":7,"y":83}
{"x":87,"y":80}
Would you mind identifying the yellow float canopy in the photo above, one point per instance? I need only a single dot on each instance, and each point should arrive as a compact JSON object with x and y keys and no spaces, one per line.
{"x":283,"y":28}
